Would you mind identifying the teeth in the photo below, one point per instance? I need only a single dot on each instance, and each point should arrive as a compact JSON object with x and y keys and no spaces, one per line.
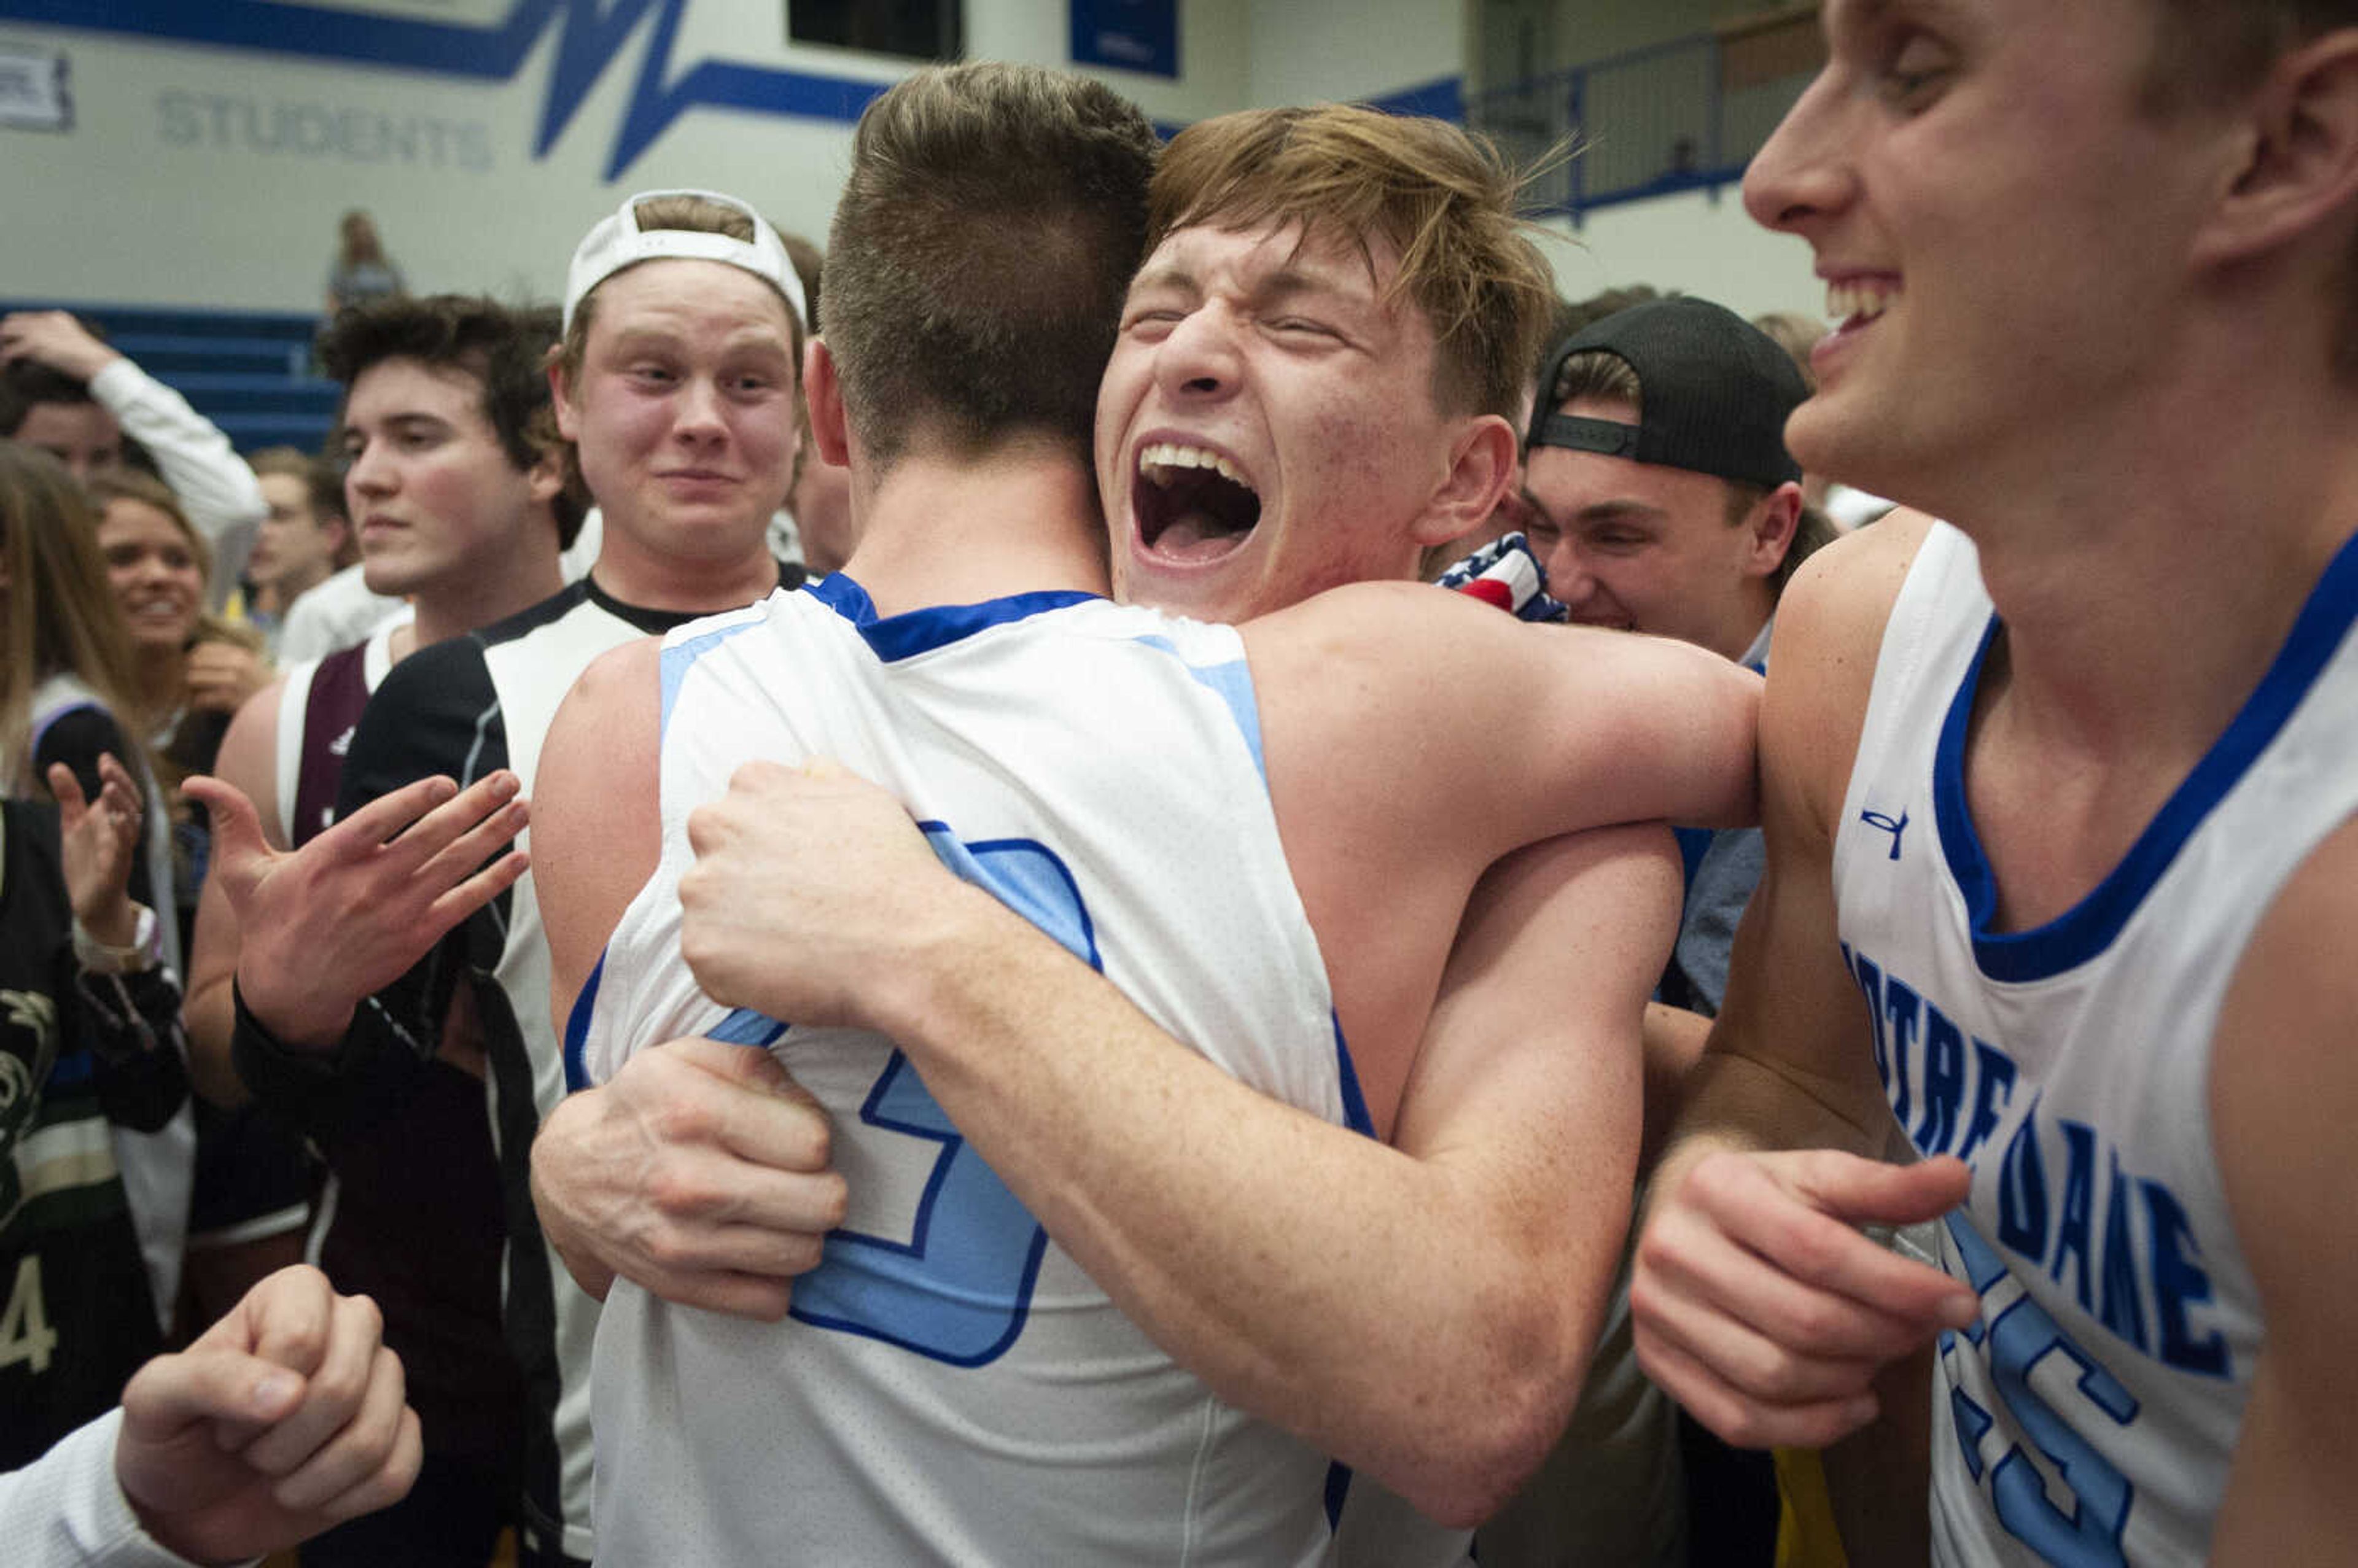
{"x":1858,"y":300}
{"x":1156,"y":462}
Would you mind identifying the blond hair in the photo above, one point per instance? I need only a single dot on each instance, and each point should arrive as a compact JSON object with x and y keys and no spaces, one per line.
{"x":60,"y":614}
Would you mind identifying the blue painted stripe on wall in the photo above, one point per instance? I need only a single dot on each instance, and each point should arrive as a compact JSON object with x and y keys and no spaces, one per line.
{"x":1443,"y":98}
{"x":589,"y":39}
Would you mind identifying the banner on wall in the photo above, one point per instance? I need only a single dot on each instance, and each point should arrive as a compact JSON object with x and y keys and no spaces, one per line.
{"x":33,"y":94}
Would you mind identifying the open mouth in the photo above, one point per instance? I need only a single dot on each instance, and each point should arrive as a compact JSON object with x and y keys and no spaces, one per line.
{"x":1190,"y":502}
{"x":1852,"y":303}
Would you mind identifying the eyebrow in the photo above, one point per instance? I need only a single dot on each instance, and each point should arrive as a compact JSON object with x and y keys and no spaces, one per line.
{"x":1617,"y":510}
{"x":1612,"y":511}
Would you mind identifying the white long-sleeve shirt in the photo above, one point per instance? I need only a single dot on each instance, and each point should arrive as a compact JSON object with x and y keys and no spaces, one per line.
{"x":66,"y":1510}
{"x":219,"y":493}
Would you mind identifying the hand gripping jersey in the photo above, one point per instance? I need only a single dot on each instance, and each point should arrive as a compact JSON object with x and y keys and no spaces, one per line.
{"x":950,"y":1386}
{"x":2090,"y":1415}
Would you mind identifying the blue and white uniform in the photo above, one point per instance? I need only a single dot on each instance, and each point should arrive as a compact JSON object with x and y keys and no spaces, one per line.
{"x":950,"y":1386}
{"x":2090,"y":1415}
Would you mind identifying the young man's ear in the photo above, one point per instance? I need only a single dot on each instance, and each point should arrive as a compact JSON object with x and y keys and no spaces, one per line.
{"x":1481,"y":466}
{"x":545,"y":478}
{"x":1772,"y":524}
{"x":2298,"y":154}
{"x":823,"y":396}
{"x":559,"y":396}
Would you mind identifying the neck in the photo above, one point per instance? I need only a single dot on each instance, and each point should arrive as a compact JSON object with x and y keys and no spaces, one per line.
{"x":451,"y":609}
{"x":694,"y":585}
{"x":935,"y":529}
{"x":2147,"y":582}
{"x":277,"y":596}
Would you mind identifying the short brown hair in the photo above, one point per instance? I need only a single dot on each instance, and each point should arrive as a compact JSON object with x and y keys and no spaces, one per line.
{"x":26,"y":384}
{"x":2209,"y":48}
{"x":981,"y":253}
{"x":320,"y":481}
{"x":1444,"y":199}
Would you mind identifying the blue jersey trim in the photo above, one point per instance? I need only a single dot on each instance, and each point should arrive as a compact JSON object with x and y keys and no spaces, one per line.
{"x":1338,"y":1492}
{"x":1231,"y":682}
{"x":1354,"y":1104}
{"x":577,"y":1028}
{"x":679,"y":657}
{"x":746,"y":1027}
{"x":895,"y":637}
{"x":2086,"y":929}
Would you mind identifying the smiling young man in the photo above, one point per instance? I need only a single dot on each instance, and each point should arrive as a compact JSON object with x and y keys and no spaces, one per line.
{"x":1142,"y":1329}
{"x":2064,"y":789}
{"x":672,"y":390}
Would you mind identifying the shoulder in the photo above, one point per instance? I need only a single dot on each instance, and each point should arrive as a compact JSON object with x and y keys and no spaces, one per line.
{"x":2284,"y":1081}
{"x":431,"y":675}
{"x":1829,"y":626}
{"x":248,"y":757}
{"x":619,"y":685}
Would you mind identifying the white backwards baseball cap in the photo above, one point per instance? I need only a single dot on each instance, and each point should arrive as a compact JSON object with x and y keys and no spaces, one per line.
{"x":615,"y":242}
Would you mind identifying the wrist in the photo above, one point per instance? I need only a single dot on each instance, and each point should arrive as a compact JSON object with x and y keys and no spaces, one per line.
{"x":303,"y":1019}
{"x":128,"y":942}
{"x":952,"y":962}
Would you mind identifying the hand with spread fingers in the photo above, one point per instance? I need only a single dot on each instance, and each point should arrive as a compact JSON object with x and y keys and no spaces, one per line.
{"x":698,"y":1171}
{"x":1761,"y":1307}
{"x":98,"y":838}
{"x":324,"y":926}
{"x":288,"y":1416}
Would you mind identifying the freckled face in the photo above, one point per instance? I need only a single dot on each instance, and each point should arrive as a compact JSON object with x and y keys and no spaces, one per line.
{"x":1266,"y":427}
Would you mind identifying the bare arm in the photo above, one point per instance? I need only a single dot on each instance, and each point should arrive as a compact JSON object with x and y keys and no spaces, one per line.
{"x":2284,"y":1086}
{"x":1420,"y":1310}
{"x":248,"y":760}
{"x":673,"y":1175}
{"x":1534,"y":731}
{"x":596,"y":836}
{"x":1758,"y":1303}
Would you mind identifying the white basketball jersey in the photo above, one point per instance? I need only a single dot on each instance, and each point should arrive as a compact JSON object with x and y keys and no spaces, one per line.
{"x":950,"y":1386}
{"x":2089,"y":1416}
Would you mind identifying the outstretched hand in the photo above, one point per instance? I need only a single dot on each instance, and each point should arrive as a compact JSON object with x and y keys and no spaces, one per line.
{"x":288,"y":1416}
{"x":1761,"y":1307}
{"x":323,"y":926}
{"x":97,"y":839}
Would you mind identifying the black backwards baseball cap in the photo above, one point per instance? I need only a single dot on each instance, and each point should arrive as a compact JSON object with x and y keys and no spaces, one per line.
{"x":1713,"y":389}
